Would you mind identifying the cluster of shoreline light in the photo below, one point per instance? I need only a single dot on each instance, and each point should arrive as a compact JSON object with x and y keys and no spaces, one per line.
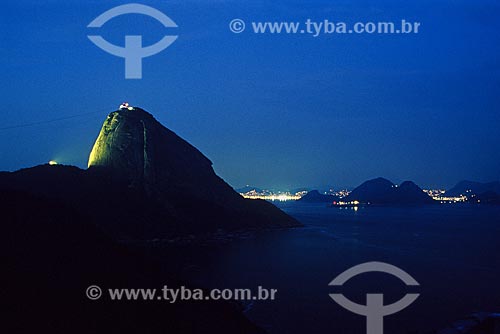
{"x":434,"y":192}
{"x":439,"y":195}
{"x":338,"y":193}
{"x":283,"y":196}
{"x":273,"y":197}
{"x":456,"y":199}
{"x":269,"y":195}
{"x":347,"y":203}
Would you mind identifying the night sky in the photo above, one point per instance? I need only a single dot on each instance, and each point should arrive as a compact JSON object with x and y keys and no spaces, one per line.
{"x":275,"y":111}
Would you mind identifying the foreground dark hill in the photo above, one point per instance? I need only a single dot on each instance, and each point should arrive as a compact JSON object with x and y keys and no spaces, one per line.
{"x":145,"y":182}
{"x":384,"y":192}
{"x":53,"y":253}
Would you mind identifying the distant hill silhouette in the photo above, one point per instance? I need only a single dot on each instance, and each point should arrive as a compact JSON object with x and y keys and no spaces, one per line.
{"x":384,"y":192}
{"x":146,"y":182}
{"x":468,"y":188}
{"x":315,"y":196}
{"x":370,"y":190}
{"x":477,"y":192}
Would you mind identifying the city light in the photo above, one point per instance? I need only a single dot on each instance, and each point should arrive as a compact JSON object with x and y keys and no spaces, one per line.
{"x":455,"y":199}
{"x":350,"y":203}
{"x":269,"y":195}
{"x":338,"y":193}
{"x":273,"y":197}
{"x":439,"y":195}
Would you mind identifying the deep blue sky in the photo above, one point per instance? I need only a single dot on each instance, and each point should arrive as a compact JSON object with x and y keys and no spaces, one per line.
{"x":268,"y":110}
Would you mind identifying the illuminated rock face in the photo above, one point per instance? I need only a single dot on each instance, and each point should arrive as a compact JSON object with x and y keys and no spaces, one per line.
{"x":122,"y":144}
{"x":135,"y":145}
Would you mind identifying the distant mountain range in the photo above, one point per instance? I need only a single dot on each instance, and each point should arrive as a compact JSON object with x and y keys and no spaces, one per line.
{"x":384,"y":192}
{"x":378,"y":191}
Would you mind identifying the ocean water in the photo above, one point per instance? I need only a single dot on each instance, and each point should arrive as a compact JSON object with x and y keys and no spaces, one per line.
{"x":453,"y":251}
